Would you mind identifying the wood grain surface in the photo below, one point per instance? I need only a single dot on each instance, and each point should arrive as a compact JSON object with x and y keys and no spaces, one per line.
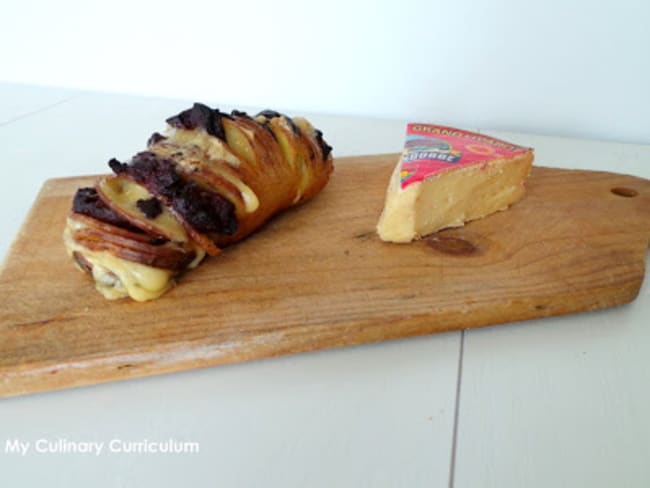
{"x":317,"y":277}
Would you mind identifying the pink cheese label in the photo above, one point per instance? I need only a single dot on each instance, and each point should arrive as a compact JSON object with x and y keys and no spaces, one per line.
{"x":430,"y":149}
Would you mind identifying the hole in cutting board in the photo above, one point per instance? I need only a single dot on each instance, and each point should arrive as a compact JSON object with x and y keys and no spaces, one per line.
{"x":623,"y":191}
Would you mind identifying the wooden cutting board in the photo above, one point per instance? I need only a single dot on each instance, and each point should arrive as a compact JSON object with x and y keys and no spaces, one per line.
{"x":317,"y":277}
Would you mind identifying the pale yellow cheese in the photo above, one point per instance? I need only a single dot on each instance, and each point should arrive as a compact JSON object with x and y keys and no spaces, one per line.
{"x":451,"y":197}
{"x":213,"y":146}
{"x":118,"y":278}
{"x":251,"y":202}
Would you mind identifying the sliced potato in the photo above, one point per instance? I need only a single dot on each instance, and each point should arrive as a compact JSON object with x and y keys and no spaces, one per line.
{"x":264,"y":141}
{"x":122,"y":194}
{"x":138,"y":248}
{"x":239,"y":142}
{"x":286,"y":140}
{"x":196,"y":166}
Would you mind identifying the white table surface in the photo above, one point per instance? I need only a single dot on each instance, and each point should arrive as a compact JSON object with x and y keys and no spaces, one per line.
{"x":545,"y":403}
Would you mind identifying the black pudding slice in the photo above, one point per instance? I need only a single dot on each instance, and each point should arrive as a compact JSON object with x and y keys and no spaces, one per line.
{"x":201,"y":116}
{"x":204,"y":210}
{"x":87,"y":202}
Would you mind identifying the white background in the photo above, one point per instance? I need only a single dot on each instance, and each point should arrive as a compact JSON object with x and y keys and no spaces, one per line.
{"x":573,"y":68}
{"x":553,"y":402}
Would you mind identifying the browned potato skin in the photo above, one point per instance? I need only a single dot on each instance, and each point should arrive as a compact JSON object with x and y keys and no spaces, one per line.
{"x":201,"y":239}
{"x":132,"y":246}
{"x":261,"y":166}
{"x":273,"y":179}
{"x":275,"y":174}
{"x":197,"y":168}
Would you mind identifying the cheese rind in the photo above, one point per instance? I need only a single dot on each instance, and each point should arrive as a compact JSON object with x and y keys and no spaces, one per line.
{"x":442,"y":195}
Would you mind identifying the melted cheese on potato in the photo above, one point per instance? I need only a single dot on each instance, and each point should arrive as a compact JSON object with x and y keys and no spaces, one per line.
{"x":118,"y":278}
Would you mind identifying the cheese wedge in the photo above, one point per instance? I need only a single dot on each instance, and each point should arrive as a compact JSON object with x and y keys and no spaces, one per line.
{"x":446,"y":177}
